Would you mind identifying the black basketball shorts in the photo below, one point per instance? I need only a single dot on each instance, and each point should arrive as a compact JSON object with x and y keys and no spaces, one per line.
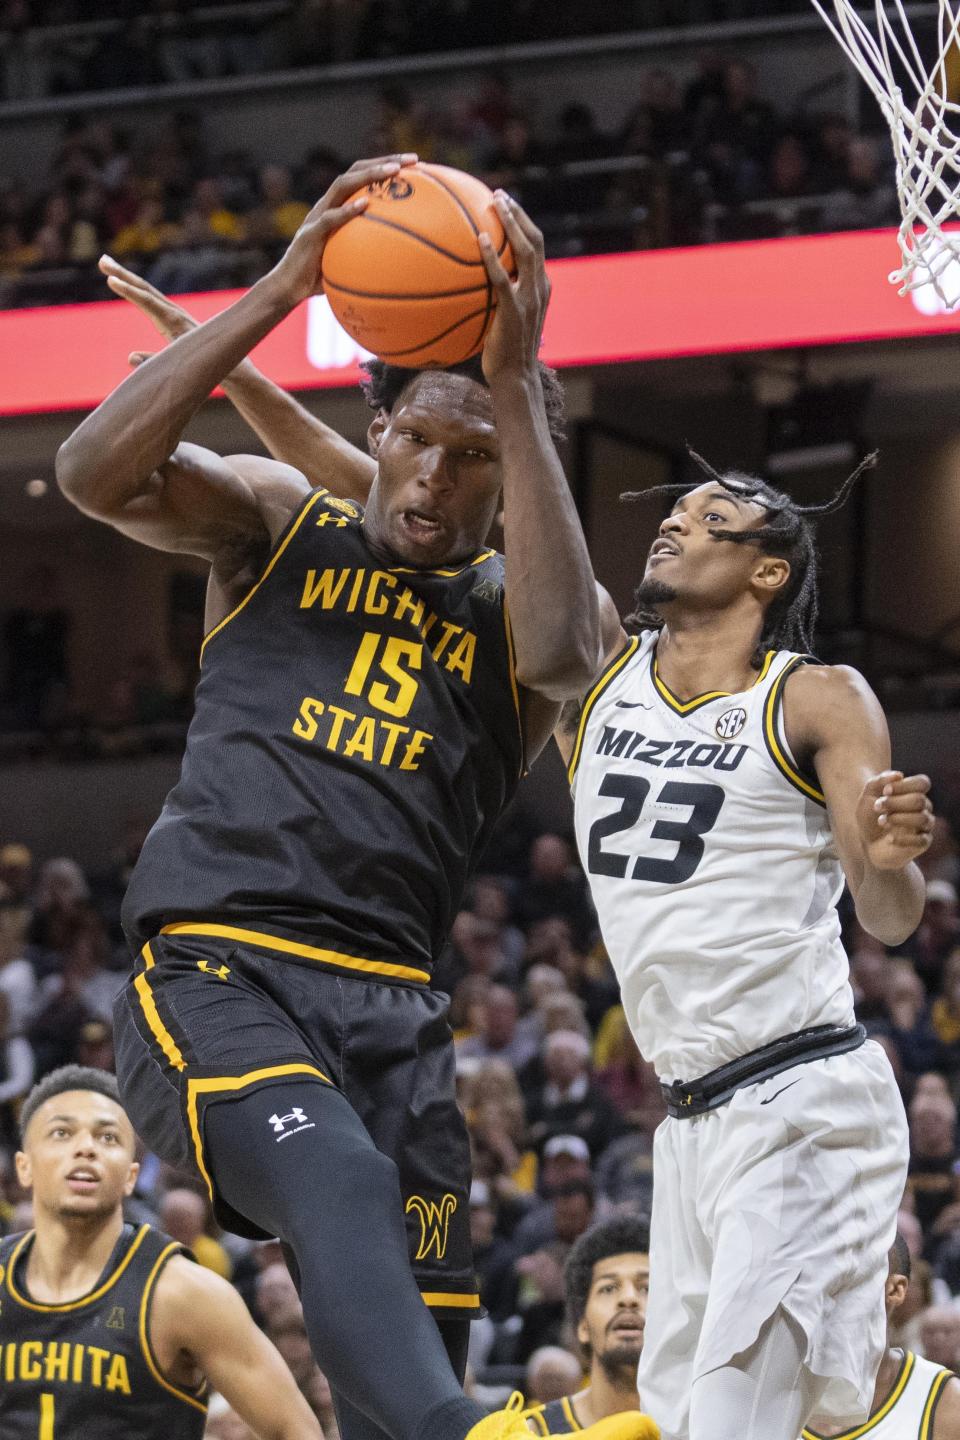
{"x":203,"y":1018}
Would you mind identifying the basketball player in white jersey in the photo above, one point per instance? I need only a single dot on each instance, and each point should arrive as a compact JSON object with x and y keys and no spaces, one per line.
{"x":913,"y":1399}
{"x":724,"y":786}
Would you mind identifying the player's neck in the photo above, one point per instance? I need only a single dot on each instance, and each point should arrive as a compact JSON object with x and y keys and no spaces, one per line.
{"x":68,"y":1256}
{"x":699,"y":653}
{"x":886,"y":1376}
{"x":604,"y":1396}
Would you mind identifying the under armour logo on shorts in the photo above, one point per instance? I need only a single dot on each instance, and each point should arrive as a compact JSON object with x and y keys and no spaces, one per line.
{"x":297,"y":1117}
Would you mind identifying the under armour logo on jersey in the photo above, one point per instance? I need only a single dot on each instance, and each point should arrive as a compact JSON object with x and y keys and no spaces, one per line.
{"x":296,"y":1118}
{"x":325,"y":518}
{"x":221,"y":971}
{"x":731,"y":722}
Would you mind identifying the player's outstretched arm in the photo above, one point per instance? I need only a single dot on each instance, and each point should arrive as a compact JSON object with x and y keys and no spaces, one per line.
{"x":114,"y":456}
{"x":199,"y":1320}
{"x":550,"y":586}
{"x":291,"y":434}
{"x":882,"y":819}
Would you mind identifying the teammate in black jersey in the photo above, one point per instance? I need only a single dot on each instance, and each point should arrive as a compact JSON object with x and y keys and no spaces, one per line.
{"x":109,"y":1331}
{"x":367,"y":702}
{"x":606,"y":1278}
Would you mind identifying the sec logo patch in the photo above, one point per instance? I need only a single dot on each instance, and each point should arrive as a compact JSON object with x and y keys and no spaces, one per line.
{"x":731,"y":722}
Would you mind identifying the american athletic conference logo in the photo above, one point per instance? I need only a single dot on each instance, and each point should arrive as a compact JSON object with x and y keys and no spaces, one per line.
{"x":434,"y":1223}
{"x":730,"y":723}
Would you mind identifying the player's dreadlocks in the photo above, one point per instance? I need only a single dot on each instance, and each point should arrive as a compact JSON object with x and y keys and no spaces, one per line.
{"x":786,"y":533}
{"x":382,"y":385}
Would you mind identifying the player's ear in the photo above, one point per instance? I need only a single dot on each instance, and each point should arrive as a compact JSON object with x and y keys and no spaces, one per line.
{"x":24,"y":1169}
{"x":131,"y":1181}
{"x":583,"y":1334}
{"x":771,"y":574}
{"x":375,"y":431}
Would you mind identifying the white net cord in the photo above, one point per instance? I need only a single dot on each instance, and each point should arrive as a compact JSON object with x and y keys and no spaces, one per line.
{"x":925,"y":126}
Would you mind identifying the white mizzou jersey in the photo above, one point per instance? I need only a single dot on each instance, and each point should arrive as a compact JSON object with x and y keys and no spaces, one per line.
{"x":711,"y":862}
{"x":909,"y":1410}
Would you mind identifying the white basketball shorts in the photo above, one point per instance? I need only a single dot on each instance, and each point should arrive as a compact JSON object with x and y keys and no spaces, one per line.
{"x":785,"y":1197}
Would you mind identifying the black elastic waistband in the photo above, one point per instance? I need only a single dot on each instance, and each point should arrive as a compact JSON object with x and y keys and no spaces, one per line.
{"x":686,"y":1098}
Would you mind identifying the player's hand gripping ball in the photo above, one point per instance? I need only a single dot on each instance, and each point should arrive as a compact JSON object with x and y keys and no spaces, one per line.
{"x":406,"y":277}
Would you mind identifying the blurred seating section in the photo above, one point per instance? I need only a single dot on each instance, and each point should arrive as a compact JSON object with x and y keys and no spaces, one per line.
{"x":702,"y":151}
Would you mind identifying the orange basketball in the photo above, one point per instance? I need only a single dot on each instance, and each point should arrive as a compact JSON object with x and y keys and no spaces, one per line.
{"x":406,"y":278}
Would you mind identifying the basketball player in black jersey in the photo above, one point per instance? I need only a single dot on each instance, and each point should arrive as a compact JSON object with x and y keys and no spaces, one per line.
{"x":109,"y":1331}
{"x":606,"y":1276}
{"x":372,"y":685}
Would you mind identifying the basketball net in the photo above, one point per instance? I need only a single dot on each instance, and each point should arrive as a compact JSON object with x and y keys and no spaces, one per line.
{"x":924,"y":122}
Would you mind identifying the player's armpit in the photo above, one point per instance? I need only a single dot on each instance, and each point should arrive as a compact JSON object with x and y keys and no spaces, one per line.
{"x":199,"y":1316}
{"x":198,"y":503}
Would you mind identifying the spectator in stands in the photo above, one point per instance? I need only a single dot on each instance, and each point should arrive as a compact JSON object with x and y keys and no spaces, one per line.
{"x":940,"y":1335}
{"x":937,"y":934}
{"x":554,"y":886}
{"x":788,"y":168}
{"x":932,"y":1176}
{"x":149,"y":232}
{"x":60,"y":900}
{"x":16,"y":892}
{"x":866,"y":200}
{"x":569,"y":1103}
{"x":35,"y":638}
{"x":16,"y":1075}
{"x":209,"y":233}
{"x":275,"y":1298}
{"x":552,"y":1372}
{"x":830,"y":142}
{"x":945,"y":1016}
{"x":909,"y":1014}
{"x":184,"y":1215}
{"x":490,"y":900}
{"x":502,"y":1035}
{"x":493,"y":1255}
{"x":278,"y":216}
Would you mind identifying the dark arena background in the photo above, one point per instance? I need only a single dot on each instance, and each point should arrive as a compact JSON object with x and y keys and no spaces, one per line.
{"x":715,"y":189}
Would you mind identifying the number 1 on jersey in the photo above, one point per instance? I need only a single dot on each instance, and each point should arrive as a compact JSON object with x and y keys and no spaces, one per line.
{"x":46,"y":1418}
{"x":396,"y":654}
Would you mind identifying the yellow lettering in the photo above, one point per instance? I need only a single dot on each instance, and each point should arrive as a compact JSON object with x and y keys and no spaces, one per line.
{"x":97,"y":1357}
{"x":30,"y":1367}
{"x":461,"y":657}
{"x":414,"y":750}
{"x":354,"y":593}
{"x":406,"y":600}
{"x":339,"y":717}
{"x":393,"y":735}
{"x":77,"y":1375}
{"x":305,"y":724}
{"x":57,"y":1361}
{"x":373,"y":604}
{"x":363,"y":659}
{"x":326,"y":589}
{"x":362,"y":740}
{"x":449,"y":631}
{"x":428,"y":624}
{"x":117,"y":1377}
{"x":395,"y":652}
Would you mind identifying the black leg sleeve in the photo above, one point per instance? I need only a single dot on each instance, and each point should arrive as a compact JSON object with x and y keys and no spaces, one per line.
{"x":326,"y":1191}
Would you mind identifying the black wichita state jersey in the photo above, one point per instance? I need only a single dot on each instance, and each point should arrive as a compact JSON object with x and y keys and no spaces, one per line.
{"x":84,"y":1370}
{"x":556,"y":1417}
{"x":356,"y":736}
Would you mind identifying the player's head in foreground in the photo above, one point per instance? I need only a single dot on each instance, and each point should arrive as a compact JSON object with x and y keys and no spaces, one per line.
{"x":607,"y":1276}
{"x":77,"y":1147}
{"x":738,"y":545}
{"x":434,"y":437}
